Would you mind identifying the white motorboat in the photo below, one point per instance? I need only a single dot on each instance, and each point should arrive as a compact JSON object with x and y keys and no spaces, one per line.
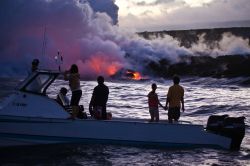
{"x":30,"y":117}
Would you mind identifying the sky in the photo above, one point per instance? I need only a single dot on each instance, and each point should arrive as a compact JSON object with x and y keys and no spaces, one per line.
{"x":151,"y":15}
{"x":99,"y":35}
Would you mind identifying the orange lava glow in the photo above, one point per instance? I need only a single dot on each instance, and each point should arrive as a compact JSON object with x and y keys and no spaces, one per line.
{"x":96,"y":64}
{"x":135,"y":75}
{"x":112,"y":69}
{"x":102,"y":65}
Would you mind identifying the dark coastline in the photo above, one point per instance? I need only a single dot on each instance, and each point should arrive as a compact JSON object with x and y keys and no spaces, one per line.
{"x":188,"y":37}
{"x":203,"y":65}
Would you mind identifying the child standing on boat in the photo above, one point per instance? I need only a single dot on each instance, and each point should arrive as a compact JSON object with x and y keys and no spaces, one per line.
{"x":153,"y":103}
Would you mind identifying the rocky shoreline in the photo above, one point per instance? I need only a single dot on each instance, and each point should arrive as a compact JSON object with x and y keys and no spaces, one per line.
{"x":202,"y":65}
{"x":188,"y":37}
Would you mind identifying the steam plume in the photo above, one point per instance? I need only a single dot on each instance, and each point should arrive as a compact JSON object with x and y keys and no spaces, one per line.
{"x":86,"y":33}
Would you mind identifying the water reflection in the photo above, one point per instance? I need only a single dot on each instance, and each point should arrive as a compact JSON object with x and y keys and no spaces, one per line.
{"x":204,"y":97}
{"x":129,"y":99}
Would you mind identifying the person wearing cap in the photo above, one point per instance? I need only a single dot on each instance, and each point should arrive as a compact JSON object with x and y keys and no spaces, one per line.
{"x":34,"y":65}
{"x":35,"y":86}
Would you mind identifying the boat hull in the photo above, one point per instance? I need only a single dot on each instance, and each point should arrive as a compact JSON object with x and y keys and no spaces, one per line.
{"x":30,"y":131}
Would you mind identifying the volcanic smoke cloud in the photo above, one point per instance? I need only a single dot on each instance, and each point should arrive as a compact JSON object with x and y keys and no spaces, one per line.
{"x":86,"y":33}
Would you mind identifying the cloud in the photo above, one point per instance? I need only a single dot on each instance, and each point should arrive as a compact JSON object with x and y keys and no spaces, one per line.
{"x":212,"y":12}
{"x":106,"y":6}
{"x":183,"y":13}
{"x":156,"y":2}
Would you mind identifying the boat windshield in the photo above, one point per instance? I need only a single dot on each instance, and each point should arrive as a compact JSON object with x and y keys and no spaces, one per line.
{"x":39,"y":83}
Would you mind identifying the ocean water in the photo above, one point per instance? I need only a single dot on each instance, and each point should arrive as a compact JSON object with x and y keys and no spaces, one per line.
{"x":203,"y":97}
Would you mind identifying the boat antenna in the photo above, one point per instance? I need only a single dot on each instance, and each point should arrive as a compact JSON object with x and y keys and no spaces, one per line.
{"x":44,"y":41}
{"x":43,"y":56}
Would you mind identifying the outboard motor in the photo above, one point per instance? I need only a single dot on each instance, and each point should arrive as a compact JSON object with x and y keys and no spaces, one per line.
{"x":232,"y":127}
{"x":215,"y":123}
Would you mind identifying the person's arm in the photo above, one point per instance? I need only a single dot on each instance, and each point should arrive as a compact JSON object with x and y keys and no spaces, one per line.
{"x":91,"y":105}
{"x":182,"y":104}
{"x":167,"y":102}
{"x":182,"y":101}
{"x":107,"y":95}
{"x":160,"y":103}
{"x":92,"y":101}
{"x":168,"y":99}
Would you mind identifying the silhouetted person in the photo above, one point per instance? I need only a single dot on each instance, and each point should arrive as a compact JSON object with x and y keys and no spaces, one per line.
{"x":74,"y":83}
{"x":35,"y":86}
{"x":153,"y":103}
{"x":99,"y":98}
{"x":175,"y":100}
{"x":61,"y":98}
{"x":34,"y":65}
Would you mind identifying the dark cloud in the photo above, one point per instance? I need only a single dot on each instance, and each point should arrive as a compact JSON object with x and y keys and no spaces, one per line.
{"x":106,"y":6}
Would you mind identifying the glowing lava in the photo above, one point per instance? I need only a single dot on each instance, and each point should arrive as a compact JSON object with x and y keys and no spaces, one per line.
{"x":112,"y":69}
{"x":103,"y":65}
{"x":134,"y":75}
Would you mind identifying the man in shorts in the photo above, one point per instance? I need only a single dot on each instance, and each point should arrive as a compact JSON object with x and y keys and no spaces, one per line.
{"x":175,"y":100}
